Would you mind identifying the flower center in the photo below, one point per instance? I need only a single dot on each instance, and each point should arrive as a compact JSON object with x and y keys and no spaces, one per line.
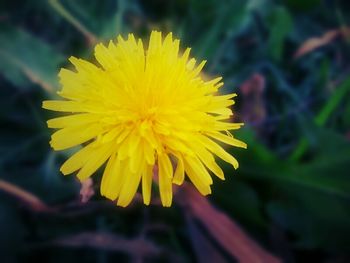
{"x":149,"y":114}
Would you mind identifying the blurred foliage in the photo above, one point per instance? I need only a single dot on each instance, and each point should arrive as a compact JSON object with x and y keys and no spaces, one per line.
{"x":292,"y":190}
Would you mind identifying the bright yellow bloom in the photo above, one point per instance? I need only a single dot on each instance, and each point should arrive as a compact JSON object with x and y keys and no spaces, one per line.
{"x":145,"y":113}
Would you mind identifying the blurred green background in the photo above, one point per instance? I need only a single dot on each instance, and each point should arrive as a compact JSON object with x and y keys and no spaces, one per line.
{"x":289,"y":63}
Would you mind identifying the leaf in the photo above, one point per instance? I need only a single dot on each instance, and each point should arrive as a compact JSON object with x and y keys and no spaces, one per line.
{"x":338,"y":95}
{"x":321,"y":118}
{"x":229,"y":235}
{"x":114,"y":25}
{"x":281,"y":23}
{"x":95,"y":21}
{"x":256,"y":149}
{"x":302,"y":194}
{"x":300,"y":214}
{"x":230,"y":19}
{"x":25,"y":58}
{"x":60,"y":9}
{"x":249,"y":214}
{"x":324,"y":174}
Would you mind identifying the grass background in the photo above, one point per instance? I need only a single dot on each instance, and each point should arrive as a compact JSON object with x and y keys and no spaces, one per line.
{"x":289,"y":63}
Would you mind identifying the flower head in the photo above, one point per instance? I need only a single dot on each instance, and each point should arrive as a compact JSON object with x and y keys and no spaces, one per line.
{"x":143,"y":111}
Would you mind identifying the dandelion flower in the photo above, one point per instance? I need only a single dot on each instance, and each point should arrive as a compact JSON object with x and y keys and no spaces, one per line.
{"x":143,"y":112}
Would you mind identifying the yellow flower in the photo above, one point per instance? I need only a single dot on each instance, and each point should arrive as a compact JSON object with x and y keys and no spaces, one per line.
{"x":145,"y":113}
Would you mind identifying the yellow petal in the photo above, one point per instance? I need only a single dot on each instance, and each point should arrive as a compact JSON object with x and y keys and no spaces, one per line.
{"x":136,"y":161}
{"x":64,"y":106}
{"x":199,"y":169}
{"x":124,"y":148}
{"x":76,"y":161}
{"x":112,"y":134}
{"x":129,"y":188}
{"x":147,"y":176}
{"x":223,"y":126}
{"x":198,"y":69}
{"x":113,"y":178}
{"x":72,"y":120}
{"x":149,"y":152}
{"x":177,"y":145}
{"x":165,"y":174}
{"x":134,"y":142}
{"x":104,"y":57}
{"x":101,"y":154}
{"x":165,"y":164}
{"x":179,"y":175}
{"x":72,"y":136}
{"x":227,"y":139}
{"x":107,"y":175}
{"x":222,"y":111}
{"x":218,"y":150}
{"x":202,"y":187}
{"x":209,"y":161}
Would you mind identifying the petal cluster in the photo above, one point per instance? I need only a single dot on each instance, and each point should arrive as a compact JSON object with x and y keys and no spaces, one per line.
{"x":148,"y":114}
